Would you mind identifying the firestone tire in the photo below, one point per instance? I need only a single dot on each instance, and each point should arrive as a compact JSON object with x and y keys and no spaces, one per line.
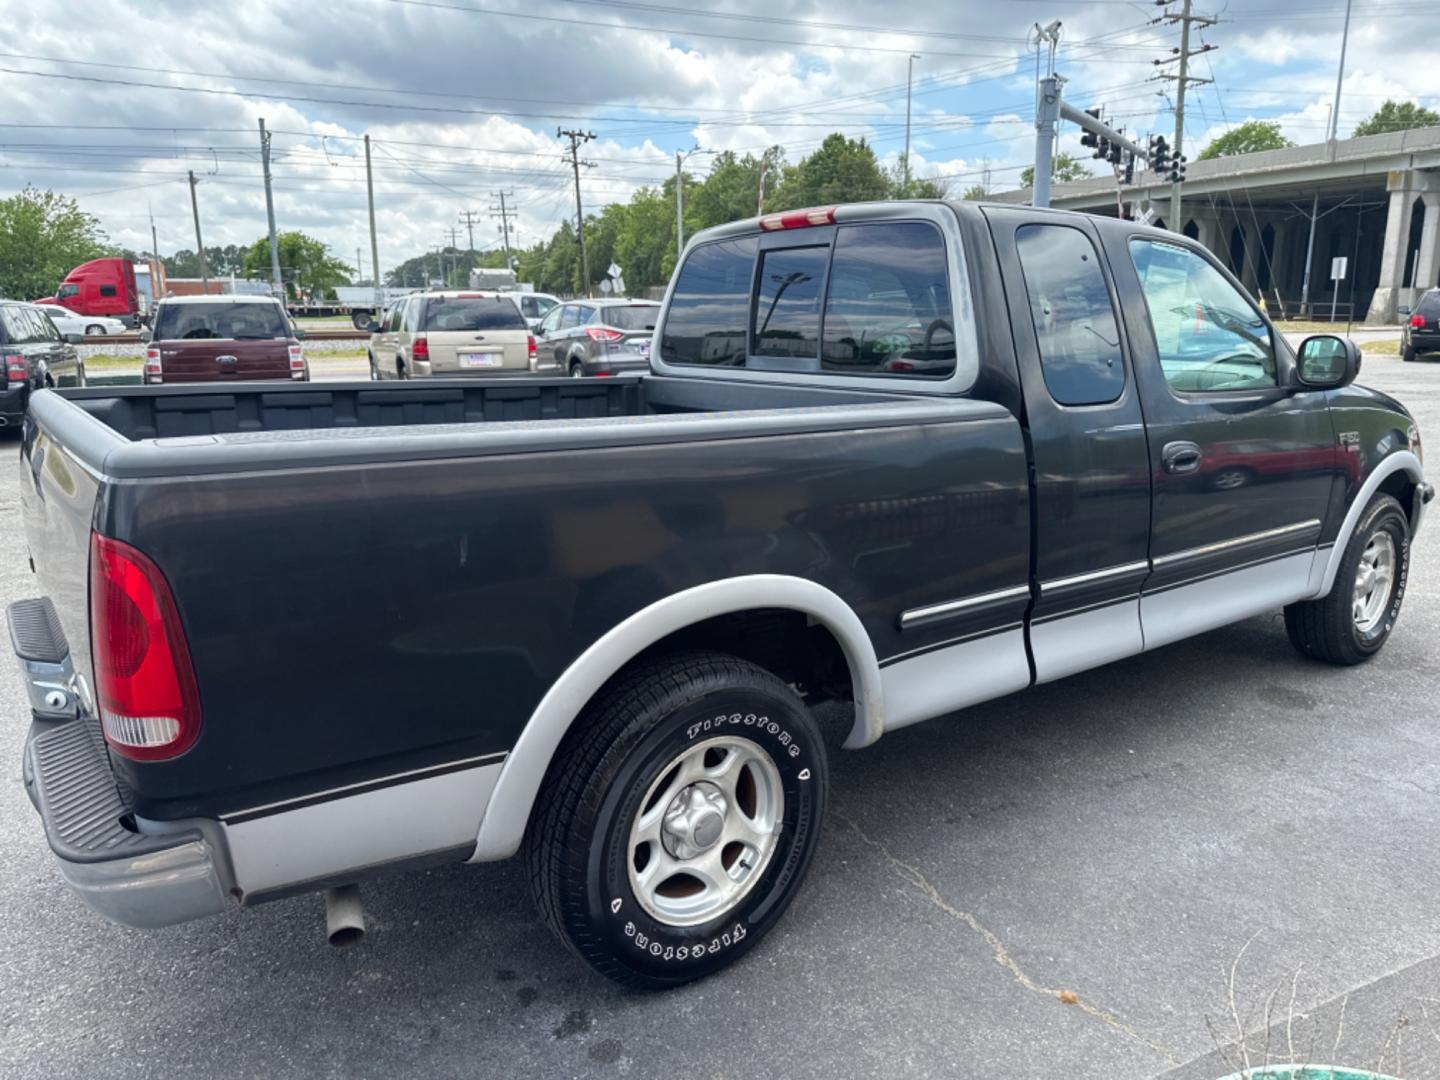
{"x":1330,"y":628}
{"x":625,"y":757}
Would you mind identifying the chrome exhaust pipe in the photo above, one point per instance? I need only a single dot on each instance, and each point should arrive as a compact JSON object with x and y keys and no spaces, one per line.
{"x":344,"y":916}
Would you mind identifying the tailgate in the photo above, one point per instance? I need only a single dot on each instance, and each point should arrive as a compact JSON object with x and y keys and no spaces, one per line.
{"x":224,"y":360}
{"x":58,"y":496}
{"x":478,"y":352}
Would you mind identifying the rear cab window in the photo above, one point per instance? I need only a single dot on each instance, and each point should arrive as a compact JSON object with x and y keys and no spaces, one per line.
{"x":868,"y":298}
{"x":631,"y":317}
{"x":181,"y":322}
{"x":465,"y":313}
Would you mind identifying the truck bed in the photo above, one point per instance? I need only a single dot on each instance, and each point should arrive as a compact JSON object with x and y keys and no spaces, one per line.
{"x":341,"y":556}
{"x":188,"y":430}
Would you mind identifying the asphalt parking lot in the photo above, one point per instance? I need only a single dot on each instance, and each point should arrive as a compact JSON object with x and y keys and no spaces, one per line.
{"x":1053,"y":884}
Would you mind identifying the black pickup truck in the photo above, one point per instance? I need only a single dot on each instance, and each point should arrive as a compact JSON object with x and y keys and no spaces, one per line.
{"x":903,"y":456}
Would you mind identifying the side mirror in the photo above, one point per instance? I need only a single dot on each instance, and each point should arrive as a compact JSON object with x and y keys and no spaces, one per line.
{"x":145,"y":334}
{"x":298,"y":334}
{"x":75,"y":339}
{"x":1327,"y":362}
{"x":1403,"y":309}
{"x":539,"y":331}
{"x":372,"y":327}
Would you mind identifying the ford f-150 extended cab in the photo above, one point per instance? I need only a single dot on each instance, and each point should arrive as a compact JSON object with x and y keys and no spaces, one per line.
{"x":903,"y":456}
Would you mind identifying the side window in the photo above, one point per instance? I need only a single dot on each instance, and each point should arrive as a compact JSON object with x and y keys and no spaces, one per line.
{"x":48,"y":330}
{"x":551,"y":322}
{"x":570,"y":317}
{"x":16,"y":331}
{"x":887,"y":308}
{"x":787,"y":307}
{"x":410,"y":319}
{"x":584,"y":315}
{"x":392,"y":318}
{"x":1073,"y":315}
{"x":529,"y":308}
{"x":108,"y":290}
{"x":67,"y":290}
{"x":1207,"y":334}
{"x":710,"y":306}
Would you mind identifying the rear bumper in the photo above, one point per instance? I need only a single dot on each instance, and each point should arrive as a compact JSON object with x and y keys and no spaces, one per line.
{"x":13,"y":399}
{"x":136,"y":878}
{"x":1425,"y":340}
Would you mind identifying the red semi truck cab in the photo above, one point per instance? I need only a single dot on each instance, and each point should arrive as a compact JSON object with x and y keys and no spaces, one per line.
{"x":100,"y":287}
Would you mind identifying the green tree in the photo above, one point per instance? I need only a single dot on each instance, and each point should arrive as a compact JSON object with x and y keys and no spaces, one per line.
{"x":917,"y":187}
{"x":731,"y":191}
{"x":1248,"y":138}
{"x":975,"y":192}
{"x":1063,"y":169}
{"x":306,"y":268}
{"x":841,"y":170}
{"x":645,"y":246}
{"x":43,"y":236}
{"x":1397,"y":116}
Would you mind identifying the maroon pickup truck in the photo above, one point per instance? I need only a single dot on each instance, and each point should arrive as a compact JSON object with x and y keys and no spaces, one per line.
{"x":223,"y":339}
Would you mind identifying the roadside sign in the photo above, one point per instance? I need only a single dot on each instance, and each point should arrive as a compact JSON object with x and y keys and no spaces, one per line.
{"x":1338,"y":266}
{"x":605,"y":286}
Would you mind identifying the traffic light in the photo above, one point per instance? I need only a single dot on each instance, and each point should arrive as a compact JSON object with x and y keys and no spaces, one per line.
{"x":1129,"y":167}
{"x":1117,"y":153}
{"x":1177,"y":169}
{"x":1090,"y":138}
{"x":1159,"y":155}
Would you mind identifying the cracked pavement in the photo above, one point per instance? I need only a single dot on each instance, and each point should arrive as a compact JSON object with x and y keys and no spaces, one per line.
{"x":1058,"y":882}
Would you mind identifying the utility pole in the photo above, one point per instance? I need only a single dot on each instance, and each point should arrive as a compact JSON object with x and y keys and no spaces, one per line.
{"x":760,"y":199}
{"x":199,"y":243}
{"x":1340,"y":77}
{"x":359,"y":266}
{"x":468,"y":218}
{"x":1182,"y":79}
{"x":577,"y":139}
{"x":1047,"y":114}
{"x":909,"y":80}
{"x":504,"y":213}
{"x":276,"y":286}
{"x":374,"y":247}
{"x":454,"y":237}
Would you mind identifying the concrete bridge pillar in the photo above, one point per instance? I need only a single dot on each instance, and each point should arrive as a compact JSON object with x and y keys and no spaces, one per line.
{"x":1427,"y":270}
{"x":1404,"y":188}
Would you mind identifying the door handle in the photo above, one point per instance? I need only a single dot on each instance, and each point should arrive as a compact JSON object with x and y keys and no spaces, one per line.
{"x":1180,"y":457}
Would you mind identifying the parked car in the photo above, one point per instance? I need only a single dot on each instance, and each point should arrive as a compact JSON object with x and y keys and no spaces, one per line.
{"x":101,"y":287}
{"x":386,"y":627}
{"x":598,"y":337}
{"x":534,"y":306}
{"x":67,"y":322}
{"x":223,"y":339}
{"x":452,"y":333}
{"x":34,"y":355}
{"x":1422,"y":327}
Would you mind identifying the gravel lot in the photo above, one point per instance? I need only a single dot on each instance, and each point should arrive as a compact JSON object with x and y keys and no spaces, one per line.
{"x":1052,"y":884}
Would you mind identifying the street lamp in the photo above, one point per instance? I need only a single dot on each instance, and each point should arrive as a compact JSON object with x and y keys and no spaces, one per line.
{"x":680,"y":197}
{"x":909,"y":80}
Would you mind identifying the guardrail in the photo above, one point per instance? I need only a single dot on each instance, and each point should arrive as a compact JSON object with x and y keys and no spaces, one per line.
{"x":310,"y":335}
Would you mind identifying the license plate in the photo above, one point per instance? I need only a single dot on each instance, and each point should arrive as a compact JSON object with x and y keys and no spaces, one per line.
{"x":643,"y":347}
{"x":479,"y":359}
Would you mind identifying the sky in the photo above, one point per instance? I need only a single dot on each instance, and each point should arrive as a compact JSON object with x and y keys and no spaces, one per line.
{"x":113,"y":102}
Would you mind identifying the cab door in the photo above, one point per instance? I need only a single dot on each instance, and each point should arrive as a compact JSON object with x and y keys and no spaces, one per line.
{"x":1242,"y":462}
{"x":1083,"y":413}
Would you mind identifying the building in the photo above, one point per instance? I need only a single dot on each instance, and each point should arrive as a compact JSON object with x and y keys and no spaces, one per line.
{"x":1374,"y":201}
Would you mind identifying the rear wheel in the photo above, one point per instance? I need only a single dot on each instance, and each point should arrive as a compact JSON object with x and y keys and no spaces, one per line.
{"x":677,"y":823}
{"x":401,"y":371}
{"x":1407,"y":353}
{"x":577,"y":370}
{"x":374,"y":368}
{"x":1353,"y":623}
{"x":360,"y":320}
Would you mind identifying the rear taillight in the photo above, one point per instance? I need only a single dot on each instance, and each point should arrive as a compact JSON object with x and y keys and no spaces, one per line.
{"x":149,"y":705}
{"x":531,"y":345}
{"x":420,"y":349}
{"x":603,"y":333}
{"x":152,"y":365}
{"x":297,"y":361}
{"x":799,"y":219}
{"x":16,"y":370}
{"x":1417,"y":322}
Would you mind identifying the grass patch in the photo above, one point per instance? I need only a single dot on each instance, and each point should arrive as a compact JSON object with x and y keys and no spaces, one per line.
{"x":110,"y":362}
{"x":1320,"y":326}
{"x":1381,"y":347}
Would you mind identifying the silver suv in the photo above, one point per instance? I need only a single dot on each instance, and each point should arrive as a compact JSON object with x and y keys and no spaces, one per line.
{"x":452,"y":333}
{"x":598,"y":337}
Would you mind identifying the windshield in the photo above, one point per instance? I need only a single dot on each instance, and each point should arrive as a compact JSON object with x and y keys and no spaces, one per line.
{"x":638,"y":317}
{"x":473,"y":313}
{"x":176,"y":322}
